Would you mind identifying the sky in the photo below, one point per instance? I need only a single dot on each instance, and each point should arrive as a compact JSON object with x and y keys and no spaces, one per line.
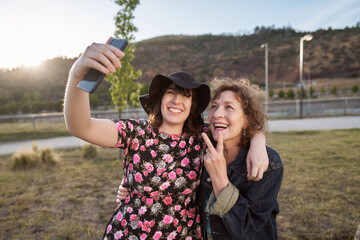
{"x":32,"y":31}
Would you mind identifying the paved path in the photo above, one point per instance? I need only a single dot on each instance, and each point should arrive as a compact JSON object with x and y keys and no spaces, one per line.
{"x":275,"y":125}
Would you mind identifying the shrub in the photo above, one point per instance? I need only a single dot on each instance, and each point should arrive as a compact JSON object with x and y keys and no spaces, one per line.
{"x":89,"y":151}
{"x":281,"y":94}
{"x":290,"y":94}
{"x":355,"y":88}
{"x":35,"y":157}
{"x":333,"y":90}
{"x":24,"y":160}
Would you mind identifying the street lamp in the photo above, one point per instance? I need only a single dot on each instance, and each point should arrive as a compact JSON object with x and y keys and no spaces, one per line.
{"x":307,"y":37}
{"x":265,"y":45}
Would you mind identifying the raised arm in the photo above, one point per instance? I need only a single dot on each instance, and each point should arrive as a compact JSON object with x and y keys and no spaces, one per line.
{"x":102,"y":132}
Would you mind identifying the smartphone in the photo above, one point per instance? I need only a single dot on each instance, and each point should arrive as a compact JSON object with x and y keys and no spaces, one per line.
{"x":93,"y":77}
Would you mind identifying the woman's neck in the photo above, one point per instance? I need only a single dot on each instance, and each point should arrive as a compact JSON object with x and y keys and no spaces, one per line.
{"x":174,"y":129}
{"x":231,"y":150}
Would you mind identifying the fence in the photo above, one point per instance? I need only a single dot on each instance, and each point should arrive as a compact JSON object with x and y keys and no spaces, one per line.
{"x":278,"y":109}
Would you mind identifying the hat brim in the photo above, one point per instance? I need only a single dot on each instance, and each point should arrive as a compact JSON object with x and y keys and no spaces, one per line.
{"x":160,"y":81}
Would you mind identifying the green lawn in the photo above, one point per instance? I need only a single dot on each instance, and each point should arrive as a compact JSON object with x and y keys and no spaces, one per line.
{"x":319,"y":197}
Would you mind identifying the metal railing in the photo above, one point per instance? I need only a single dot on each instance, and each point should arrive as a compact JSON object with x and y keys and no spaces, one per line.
{"x":278,"y":109}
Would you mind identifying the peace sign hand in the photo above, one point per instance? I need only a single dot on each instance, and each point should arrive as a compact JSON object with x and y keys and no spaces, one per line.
{"x":215,"y":164}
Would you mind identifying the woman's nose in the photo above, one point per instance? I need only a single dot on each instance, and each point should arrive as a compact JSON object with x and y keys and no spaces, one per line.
{"x":218,"y":112}
{"x":176,"y":98}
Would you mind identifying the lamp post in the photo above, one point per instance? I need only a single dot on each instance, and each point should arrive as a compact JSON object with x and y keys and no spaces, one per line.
{"x":307,"y":37}
{"x":265,"y":45}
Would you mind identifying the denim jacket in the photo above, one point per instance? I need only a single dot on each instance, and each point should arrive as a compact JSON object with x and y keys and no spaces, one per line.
{"x":244,"y":209}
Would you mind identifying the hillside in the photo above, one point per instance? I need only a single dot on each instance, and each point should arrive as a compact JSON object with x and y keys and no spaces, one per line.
{"x":331,"y":54}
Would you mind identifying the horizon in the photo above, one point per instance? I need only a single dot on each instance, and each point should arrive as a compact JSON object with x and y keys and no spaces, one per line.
{"x":71,"y":26}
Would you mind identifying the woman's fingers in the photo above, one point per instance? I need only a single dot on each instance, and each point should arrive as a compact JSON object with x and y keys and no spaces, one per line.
{"x":208,"y":142}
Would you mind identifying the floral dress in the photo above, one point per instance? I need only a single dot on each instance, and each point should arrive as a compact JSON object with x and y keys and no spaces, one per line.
{"x":162,"y":172}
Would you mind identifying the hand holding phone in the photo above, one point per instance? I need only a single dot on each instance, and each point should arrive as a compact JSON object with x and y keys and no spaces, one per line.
{"x":93,"y":77}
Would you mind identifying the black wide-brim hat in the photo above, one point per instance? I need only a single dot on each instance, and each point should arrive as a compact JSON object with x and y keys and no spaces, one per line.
{"x":182,"y":79}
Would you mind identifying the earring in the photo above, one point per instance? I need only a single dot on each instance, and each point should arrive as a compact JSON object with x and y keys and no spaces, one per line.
{"x":243,"y":132}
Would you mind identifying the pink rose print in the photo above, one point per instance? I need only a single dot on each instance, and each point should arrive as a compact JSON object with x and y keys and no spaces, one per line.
{"x":172,"y":235}
{"x":141,"y":132}
{"x":184,"y":162}
{"x":138,"y":177}
{"x":149,"y":201}
{"x":152,"y":223}
{"x":190,"y":223}
{"x":168,"y":219}
{"x":142,"y":148}
{"x":187,"y":191}
{"x":129,"y":209}
{"x":197,"y":147}
{"x":132,"y":217}
{"x":135,"y":144}
{"x":168,"y":158}
{"x":119,"y":216}
{"x":191,"y":140}
{"x":198,"y":218}
{"x":108,"y":229}
{"x":176,"y":221}
{"x":192,"y":175}
{"x":153,"y":153}
{"x":126,"y":232}
{"x":179,"y":171}
{"x":120,"y":125}
{"x":179,"y":229}
{"x":130,"y":126}
{"x":165,"y":185}
{"x":157,"y":235}
{"x":154,"y":194}
{"x":182,"y":144}
{"x":160,"y":171}
{"x":149,"y":167}
{"x":131,"y":166}
{"x":177,"y":207}
{"x":173,"y":144}
{"x":182,"y":152}
{"x":149,"y":142}
{"x":168,"y":200}
{"x":156,"y":141}
{"x":188,"y":238}
{"x":148,"y":189}
{"x":172,"y":175}
{"x":136,"y":158}
{"x":118,"y":234}
{"x":142,"y":210}
{"x":143,"y":236}
{"x":123,"y":222}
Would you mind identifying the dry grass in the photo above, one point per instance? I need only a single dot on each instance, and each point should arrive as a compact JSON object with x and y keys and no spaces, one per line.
{"x":319,"y":197}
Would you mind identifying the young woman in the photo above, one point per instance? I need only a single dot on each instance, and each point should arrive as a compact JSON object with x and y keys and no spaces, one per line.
{"x":233,"y":207}
{"x":163,"y":156}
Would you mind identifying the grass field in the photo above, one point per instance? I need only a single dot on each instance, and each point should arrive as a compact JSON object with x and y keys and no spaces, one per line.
{"x":319,"y":197}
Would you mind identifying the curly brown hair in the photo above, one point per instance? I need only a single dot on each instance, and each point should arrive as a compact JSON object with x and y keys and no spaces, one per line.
{"x":251,"y":98}
{"x":192,"y":124}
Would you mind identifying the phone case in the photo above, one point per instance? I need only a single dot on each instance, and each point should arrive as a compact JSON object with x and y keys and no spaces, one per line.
{"x":93,"y":78}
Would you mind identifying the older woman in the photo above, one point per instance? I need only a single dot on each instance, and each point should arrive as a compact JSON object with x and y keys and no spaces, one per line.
{"x":233,"y":207}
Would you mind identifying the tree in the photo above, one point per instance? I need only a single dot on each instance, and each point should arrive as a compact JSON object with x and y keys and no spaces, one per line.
{"x":281,"y":94}
{"x":123,"y":88}
{"x":333,"y":90}
{"x":355,"y":88}
{"x":290,"y":94}
{"x":271,"y":92}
